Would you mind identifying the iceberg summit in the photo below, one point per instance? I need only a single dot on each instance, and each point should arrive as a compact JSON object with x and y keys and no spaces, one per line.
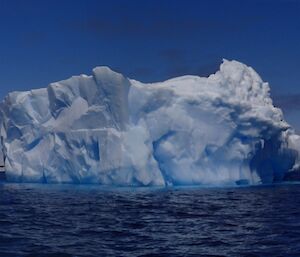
{"x":110,"y":130}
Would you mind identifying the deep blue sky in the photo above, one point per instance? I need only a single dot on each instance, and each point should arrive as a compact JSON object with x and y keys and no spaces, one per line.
{"x":46,"y":41}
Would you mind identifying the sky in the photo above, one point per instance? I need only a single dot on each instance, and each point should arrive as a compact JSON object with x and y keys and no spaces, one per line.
{"x":46,"y":41}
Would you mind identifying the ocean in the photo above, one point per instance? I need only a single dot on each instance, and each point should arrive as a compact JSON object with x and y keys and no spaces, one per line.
{"x":73,"y":220}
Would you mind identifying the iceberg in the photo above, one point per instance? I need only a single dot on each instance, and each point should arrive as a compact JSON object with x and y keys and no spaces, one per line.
{"x":111,"y":130}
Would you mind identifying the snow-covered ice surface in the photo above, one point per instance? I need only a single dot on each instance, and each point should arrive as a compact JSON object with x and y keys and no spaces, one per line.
{"x":107,"y":129}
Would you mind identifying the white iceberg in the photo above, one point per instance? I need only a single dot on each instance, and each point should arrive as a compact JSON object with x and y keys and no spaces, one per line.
{"x":107,"y":129}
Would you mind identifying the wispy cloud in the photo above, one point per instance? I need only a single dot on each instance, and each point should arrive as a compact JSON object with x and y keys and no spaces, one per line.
{"x":160,"y":22}
{"x":128,"y":26}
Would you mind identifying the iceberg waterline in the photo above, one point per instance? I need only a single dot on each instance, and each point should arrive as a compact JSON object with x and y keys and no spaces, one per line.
{"x":111,"y":130}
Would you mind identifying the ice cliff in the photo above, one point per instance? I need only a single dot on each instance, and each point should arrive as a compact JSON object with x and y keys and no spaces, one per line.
{"x":108,"y":129}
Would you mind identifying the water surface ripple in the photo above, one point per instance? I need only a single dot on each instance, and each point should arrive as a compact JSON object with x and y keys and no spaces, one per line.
{"x":45,"y":220}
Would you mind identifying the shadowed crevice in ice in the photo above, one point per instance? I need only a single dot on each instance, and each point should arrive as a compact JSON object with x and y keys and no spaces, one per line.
{"x":272,"y":161}
{"x":161,"y":159}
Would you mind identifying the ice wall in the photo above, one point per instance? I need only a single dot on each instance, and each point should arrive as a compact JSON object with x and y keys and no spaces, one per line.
{"x":111,"y":130}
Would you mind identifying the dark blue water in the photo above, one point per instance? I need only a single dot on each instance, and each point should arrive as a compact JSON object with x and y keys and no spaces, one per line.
{"x":44,"y":220}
